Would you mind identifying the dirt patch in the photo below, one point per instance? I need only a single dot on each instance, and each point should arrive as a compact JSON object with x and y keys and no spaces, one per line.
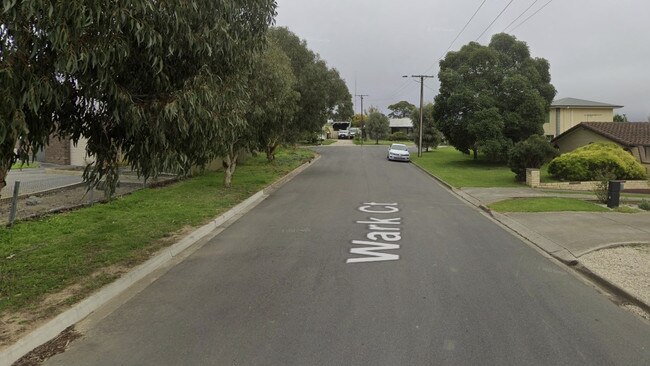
{"x":56,"y":201}
{"x":15,"y":324}
{"x":49,"y":349}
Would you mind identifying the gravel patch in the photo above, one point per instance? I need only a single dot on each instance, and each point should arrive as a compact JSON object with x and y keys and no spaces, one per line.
{"x":627,"y":267}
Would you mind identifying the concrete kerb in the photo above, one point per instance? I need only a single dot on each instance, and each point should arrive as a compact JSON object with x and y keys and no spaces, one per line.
{"x":540,"y":241}
{"x":185,"y":247}
{"x":613,"y":245}
{"x":555,"y":250}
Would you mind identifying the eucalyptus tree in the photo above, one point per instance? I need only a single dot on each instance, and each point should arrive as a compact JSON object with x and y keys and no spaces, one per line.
{"x":274,"y":100}
{"x":378,"y":126}
{"x":323,"y":94}
{"x":492,"y":96}
{"x":401,"y":109}
{"x":127,"y":75}
{"x":431,"y":136}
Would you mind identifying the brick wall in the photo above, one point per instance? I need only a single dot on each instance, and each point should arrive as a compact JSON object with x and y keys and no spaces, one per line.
{"x":533,"y":176}
{"x":57,"y":151}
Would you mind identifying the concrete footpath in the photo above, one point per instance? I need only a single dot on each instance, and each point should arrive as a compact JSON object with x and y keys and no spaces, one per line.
{"x":612,"y":248}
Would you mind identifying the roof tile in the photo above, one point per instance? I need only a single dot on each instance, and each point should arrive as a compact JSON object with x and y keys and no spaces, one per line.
{"x":627,"y":133}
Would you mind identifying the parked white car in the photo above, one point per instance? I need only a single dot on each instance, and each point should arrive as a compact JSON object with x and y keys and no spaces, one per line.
{"x":344,"y":134}
{"x":398,"y":152}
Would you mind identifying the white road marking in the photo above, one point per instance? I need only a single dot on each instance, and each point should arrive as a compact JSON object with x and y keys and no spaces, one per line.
{"x":373,"y":250}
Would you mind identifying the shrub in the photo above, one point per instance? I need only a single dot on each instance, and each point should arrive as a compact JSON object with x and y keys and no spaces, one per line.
{"x":530,"y":153}
{"x":602,"y":187}
{"x":496,"y":150}
{"x":593,"y":161}
{"x":644,"y":205}
{"x":398,"y":136}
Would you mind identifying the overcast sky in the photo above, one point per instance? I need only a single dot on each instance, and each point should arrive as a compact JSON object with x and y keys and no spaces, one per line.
{"x":598,"y":50}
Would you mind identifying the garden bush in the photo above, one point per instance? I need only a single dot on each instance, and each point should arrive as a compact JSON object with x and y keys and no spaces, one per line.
{"x":399,"y":136}
{"x":591,"y":162}
{"x":496,"y":150}
{"x":530,"y":153}
{"x":644,"y":205}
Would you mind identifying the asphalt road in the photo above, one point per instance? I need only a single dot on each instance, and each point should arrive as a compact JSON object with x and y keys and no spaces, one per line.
{"x":277,"y":288}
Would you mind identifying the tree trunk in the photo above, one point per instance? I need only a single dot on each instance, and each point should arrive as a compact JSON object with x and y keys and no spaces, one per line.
{"x":4,"y":169}
{"x":376,"y":141}
{"x":475,"y":154}
{"x":7,"y":161}
{"x":229,"y":164}
{"x":270,"y":152}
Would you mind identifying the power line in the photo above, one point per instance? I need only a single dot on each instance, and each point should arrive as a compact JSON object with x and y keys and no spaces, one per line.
{"x":404,"y":85}
{"x":532,"y":15}
{"x":520,"y":15}
{"x":461,"y":31}
{"x":458,"y":35}
{"x":495,"y":19}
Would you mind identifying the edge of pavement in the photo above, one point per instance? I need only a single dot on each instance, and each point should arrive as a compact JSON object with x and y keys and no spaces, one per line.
{"x":170,"y":255}
{"x":553,"y":249}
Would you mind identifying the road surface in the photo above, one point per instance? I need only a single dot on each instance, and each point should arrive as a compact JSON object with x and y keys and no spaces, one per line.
{"x":361,"y":261}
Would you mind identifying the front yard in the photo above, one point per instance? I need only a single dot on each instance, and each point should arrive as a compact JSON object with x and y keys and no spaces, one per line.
{"x":462,"y":170}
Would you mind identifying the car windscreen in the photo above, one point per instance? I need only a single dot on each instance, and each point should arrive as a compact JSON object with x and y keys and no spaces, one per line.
{"x":402,"y":148}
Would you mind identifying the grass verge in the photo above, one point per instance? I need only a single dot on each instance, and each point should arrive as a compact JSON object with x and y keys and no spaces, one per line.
{"x":462,"y":170}
{"x":18,"y":165}
{"x":42,"y":257}
{"x":545,"y":204}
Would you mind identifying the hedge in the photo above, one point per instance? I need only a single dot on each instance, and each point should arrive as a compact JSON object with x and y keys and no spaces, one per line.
{"x":595,"y":162}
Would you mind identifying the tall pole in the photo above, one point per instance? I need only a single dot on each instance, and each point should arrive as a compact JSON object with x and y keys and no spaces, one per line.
{"x":361,"y":96}
{"x":421,"y":114}
{"x":422,"y":77}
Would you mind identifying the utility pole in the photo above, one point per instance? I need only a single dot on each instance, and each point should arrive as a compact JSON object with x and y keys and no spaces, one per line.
{"x":422,"y":77}
{"x":361,"y":96}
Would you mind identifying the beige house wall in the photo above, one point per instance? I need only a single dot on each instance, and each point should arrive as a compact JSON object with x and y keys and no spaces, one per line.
{"x":78,"y":155}
{"x":581,"y":137}
{"x":578,"y":138}
{"x":570,"y":117}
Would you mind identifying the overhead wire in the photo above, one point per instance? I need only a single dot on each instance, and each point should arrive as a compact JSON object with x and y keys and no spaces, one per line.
{"x":495,"y":19}
{"x":532,"y":15}
{"x":520,"y":15}
{"x":456,"y":38}
{"x":405,"y":84}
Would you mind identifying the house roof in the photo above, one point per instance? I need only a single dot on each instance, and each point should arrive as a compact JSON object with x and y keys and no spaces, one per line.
{"x":625,"y":133}
{"x":400,"y":122}
{"x":575,"y":102}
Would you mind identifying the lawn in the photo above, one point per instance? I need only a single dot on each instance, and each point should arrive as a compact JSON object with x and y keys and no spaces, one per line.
{"x":45,"y":256}
{"x":462,"y":170}
{"x":545,"y":204}
{"x":19,"y":165}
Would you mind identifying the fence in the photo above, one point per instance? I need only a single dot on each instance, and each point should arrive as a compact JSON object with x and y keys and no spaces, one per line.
{"x":35,"y":194}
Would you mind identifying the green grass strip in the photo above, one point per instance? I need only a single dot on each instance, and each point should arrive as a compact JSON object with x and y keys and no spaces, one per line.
{"x":18,"y":165}
{"x":545,"y":204}
{"x":462,"y":170}
{"x":44,"y":256}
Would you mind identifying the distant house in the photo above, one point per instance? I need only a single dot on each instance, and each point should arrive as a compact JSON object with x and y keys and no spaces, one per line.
{"x":401,"y":125}
{"x":631,"y":136}
{"x":566,"y":113}
{"x":65,"y":152}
